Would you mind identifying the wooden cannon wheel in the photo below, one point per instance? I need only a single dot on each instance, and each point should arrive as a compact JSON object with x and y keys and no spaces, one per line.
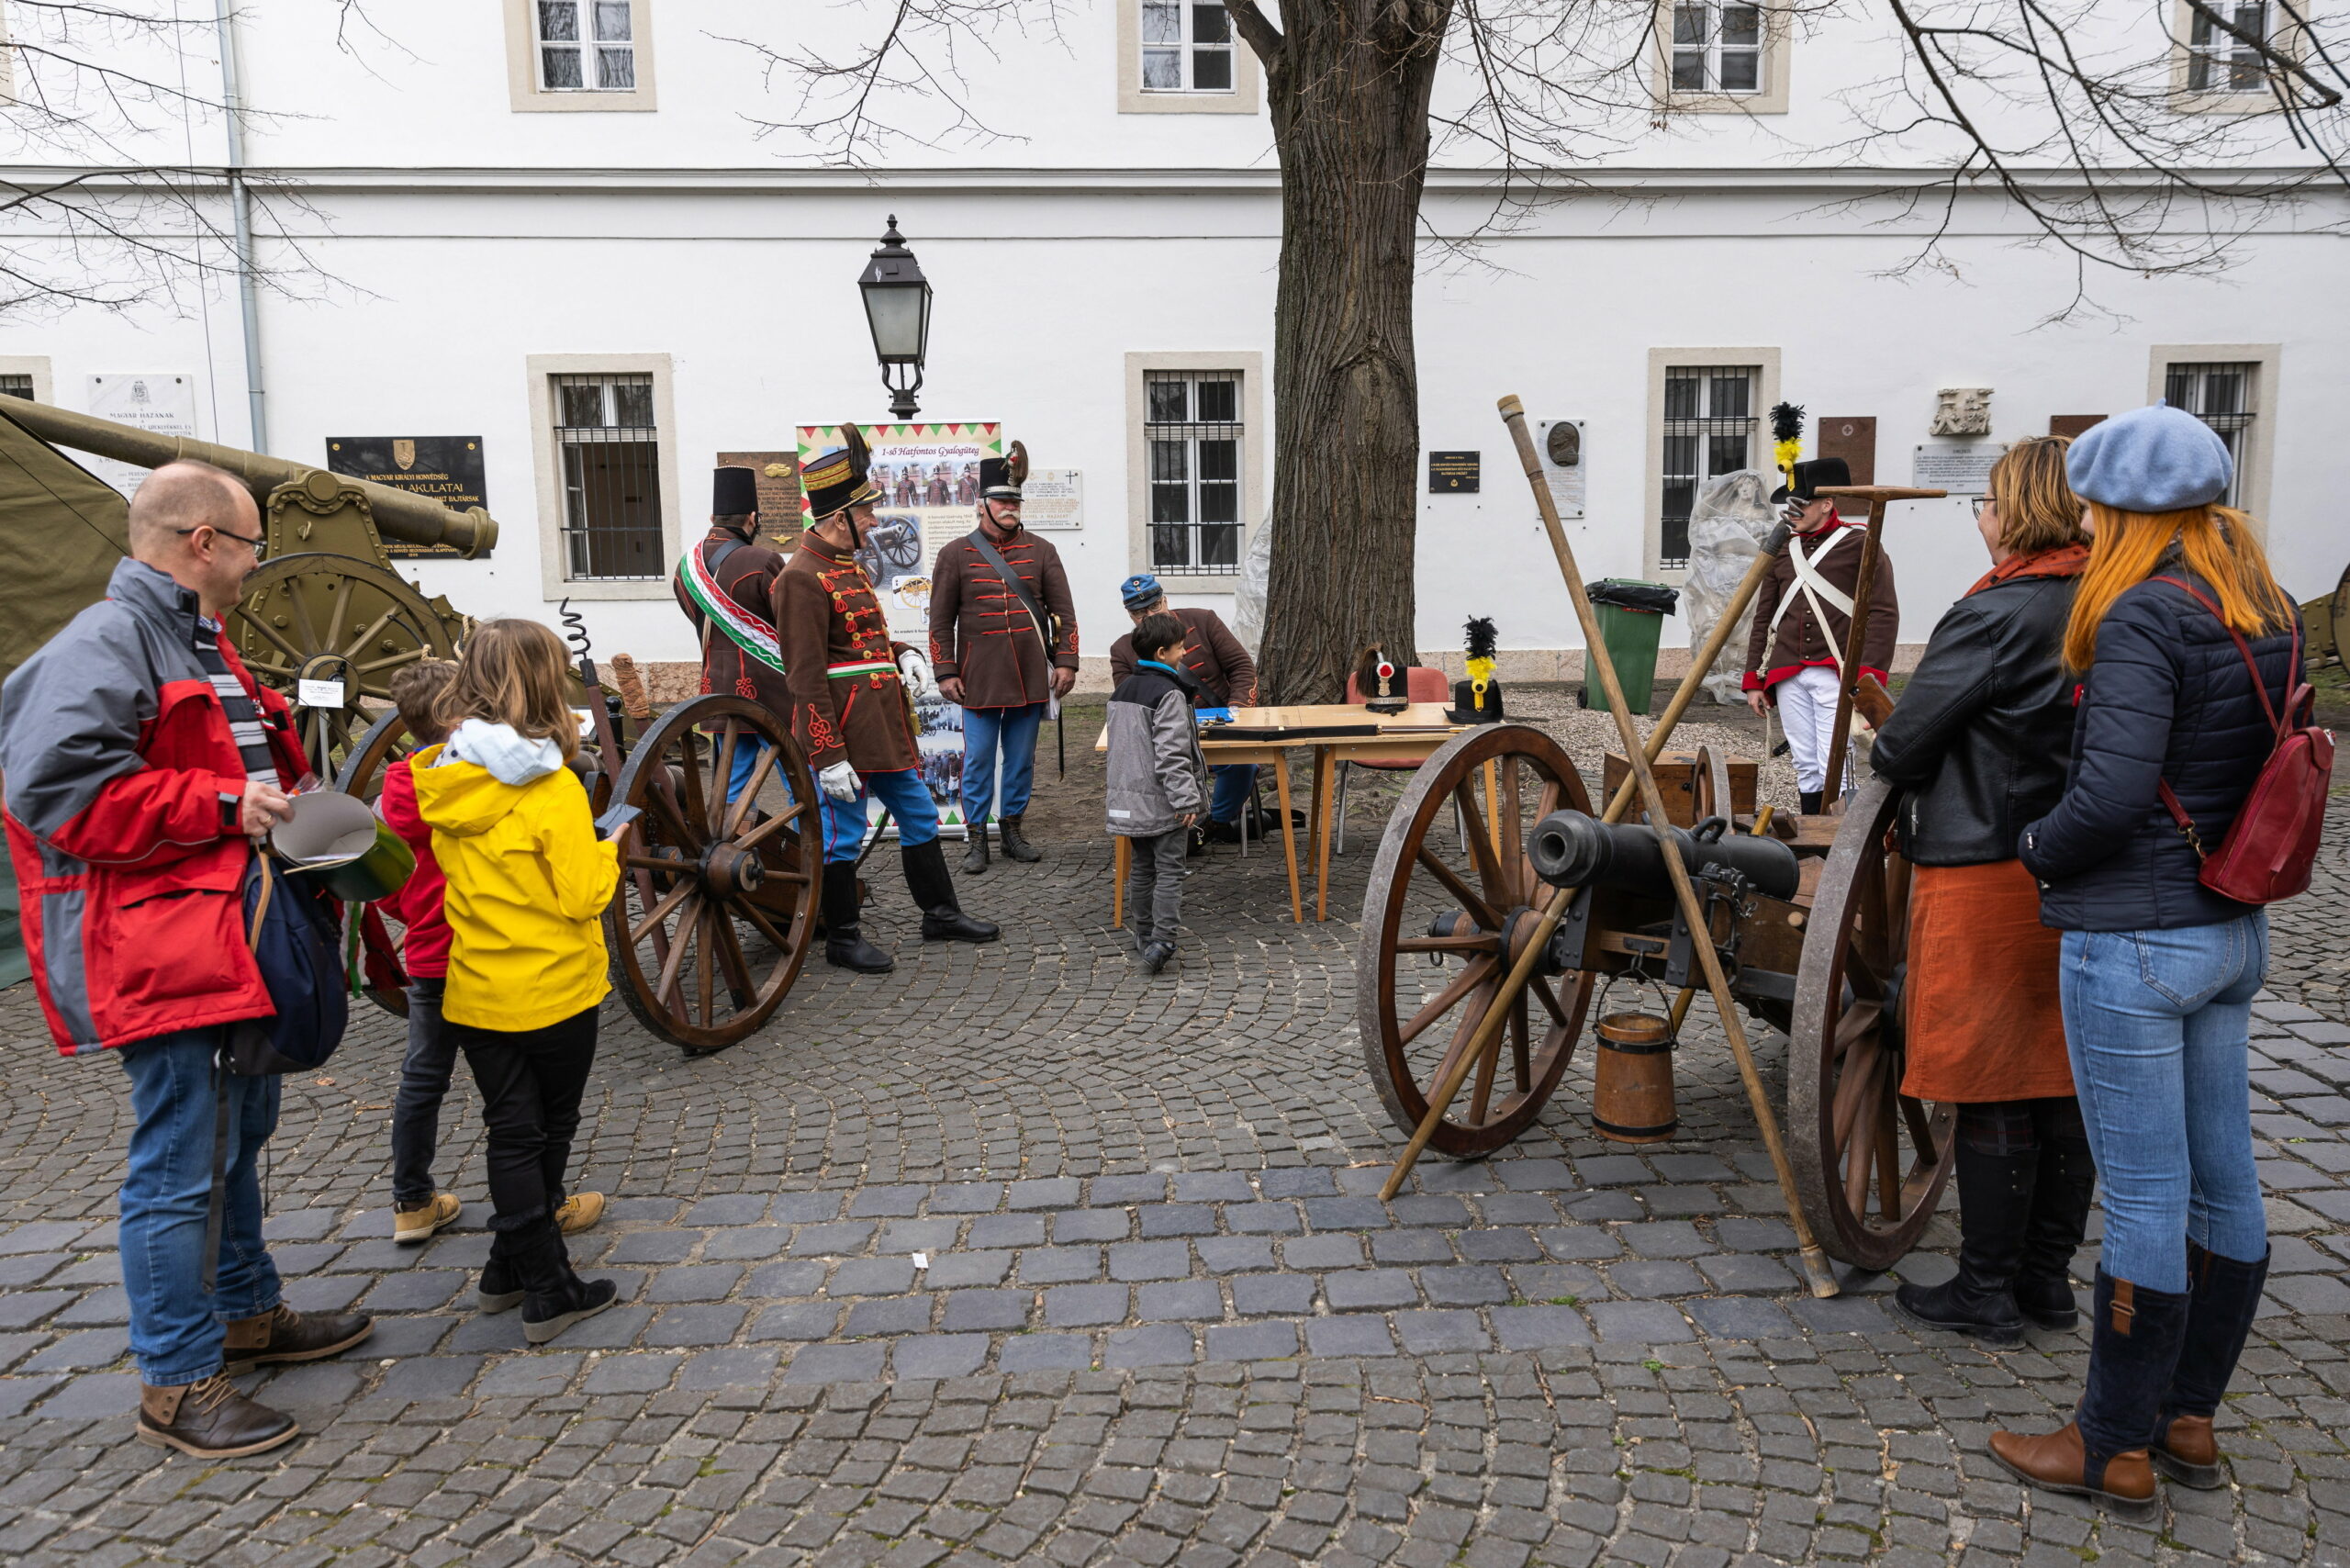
{"x":1871,"y":1161}
{"x":1421,"y":994}
{"x":717,"y":904}
{"x":319,"y":616}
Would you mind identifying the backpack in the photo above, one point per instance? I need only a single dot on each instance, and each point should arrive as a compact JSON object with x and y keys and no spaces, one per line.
{"x":296,"y":937}
{"x":2272,"y":845}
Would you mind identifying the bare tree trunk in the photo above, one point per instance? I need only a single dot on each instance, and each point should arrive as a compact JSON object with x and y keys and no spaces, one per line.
{"x":1348,"y":84}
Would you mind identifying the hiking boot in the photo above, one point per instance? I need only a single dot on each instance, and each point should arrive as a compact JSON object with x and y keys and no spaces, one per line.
{"x":975,"y":849}
{"x":282,"y":1334}
{"x":1015,"y":841}
{"x":209,"y":1419}
{"x":579,"y":1212}
{"x":412,"y":1222}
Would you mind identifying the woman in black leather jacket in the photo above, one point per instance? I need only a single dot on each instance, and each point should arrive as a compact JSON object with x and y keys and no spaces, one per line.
{"x":1978,"y":740}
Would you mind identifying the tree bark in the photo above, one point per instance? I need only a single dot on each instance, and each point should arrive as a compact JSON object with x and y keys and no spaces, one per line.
{"x":1349,"y":82}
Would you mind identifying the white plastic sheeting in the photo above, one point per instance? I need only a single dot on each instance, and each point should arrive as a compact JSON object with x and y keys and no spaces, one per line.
{"x":1256,"y":571}
{"x":1727,"y":526}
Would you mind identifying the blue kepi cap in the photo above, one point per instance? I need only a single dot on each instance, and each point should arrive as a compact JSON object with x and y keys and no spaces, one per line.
{"x":1140,"y":590}
{"x":2151,"y":459}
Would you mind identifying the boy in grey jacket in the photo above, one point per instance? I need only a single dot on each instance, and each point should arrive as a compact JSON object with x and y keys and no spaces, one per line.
{"x":1158,"y":781}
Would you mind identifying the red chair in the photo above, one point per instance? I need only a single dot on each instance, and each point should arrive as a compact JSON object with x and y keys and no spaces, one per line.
{"x":1421,"y":684}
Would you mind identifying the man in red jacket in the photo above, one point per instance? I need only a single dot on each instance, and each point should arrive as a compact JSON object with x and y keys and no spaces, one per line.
{"x":142,"y":759}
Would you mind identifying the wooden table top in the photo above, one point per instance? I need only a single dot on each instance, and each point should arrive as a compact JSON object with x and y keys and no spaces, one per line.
{"x":1418,"y":719}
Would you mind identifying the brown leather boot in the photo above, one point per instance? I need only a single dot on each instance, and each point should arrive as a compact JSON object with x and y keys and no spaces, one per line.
{"x":2057,"y":1461}
{"x":210,"y":1419}
{"x":2187,"y":1451}
{"x":282,"y":1334}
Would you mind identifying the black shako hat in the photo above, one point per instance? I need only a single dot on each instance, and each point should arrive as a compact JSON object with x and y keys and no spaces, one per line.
{"x":1001,"y":478}
{"x":734,"y":492}
{"x":834,"y":479}
{"x":1819,"y":473}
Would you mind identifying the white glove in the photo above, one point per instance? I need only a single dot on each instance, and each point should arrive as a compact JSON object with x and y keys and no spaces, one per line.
{"x":839,"y":781}
{"x":918,"y":679}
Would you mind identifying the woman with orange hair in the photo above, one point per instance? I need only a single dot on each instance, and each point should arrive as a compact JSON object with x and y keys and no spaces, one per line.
{"x":2159,"y":971}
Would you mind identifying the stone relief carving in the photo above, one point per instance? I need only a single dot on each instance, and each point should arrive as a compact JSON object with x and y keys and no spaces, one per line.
{"x":1962,"y":410}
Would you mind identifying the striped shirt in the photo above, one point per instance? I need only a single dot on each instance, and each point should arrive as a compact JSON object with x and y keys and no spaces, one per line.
{"x":244,"y":711}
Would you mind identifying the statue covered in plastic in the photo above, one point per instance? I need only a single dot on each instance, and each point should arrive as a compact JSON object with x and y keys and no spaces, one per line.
{"x":1727,"y":526}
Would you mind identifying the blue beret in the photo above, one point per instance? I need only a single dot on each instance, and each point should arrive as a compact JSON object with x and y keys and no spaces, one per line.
{"x":2153,"y":459}
{"x":1139,"y":590}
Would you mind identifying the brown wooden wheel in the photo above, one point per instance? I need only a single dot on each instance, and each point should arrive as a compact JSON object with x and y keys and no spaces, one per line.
{"x":385,"y":743}
{"x":1709,"y":793}
{"x":1438,"y":923}
{"x":717,"y":904}
{"x":1871,"y":1161}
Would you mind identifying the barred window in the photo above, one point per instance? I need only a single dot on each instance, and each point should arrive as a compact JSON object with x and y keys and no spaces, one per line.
{"x":1709,"y":425}
{"x":2222,"y":396}
{"x":586,"y":46}
{"x":612,"y":477}
{"x":2219,"y":60}
{"x":1717,"y":47}
{"x":1186,"y":46}
{"x":17,"y":386}
{"x":1193,"y":434}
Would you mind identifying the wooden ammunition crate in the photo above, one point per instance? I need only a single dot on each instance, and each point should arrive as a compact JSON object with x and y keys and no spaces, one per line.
{"x":1676,"y":772}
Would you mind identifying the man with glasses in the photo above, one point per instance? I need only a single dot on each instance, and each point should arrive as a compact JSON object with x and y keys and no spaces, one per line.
{"x":142,"y":760}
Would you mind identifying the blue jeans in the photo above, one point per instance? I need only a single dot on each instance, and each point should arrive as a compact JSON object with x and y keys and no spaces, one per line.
{"x":910,"y":804}
{"x":1234,"y":781}
{"x":1015,"y":730}
{"x":424,"y":1084}
{"x":2158,"y":1023}
{"x":175,"y":1330}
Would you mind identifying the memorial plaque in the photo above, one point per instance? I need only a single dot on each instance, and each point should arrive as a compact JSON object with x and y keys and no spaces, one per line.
{"x":1851,"y":437}
{"x":1561,"y":448}
{"x":1053,"y":497}
{"x":1453,"y":473}
{"x":446,"y":468}
{"x":778,"y":487}
{"x":1962,"y":468}
{"x":159,"y":403}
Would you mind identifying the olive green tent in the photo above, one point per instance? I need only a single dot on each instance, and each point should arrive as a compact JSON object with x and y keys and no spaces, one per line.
{"x":62,"y":531}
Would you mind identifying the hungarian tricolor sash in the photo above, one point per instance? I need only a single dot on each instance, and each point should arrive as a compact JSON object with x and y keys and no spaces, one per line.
{"x":746,"y":630}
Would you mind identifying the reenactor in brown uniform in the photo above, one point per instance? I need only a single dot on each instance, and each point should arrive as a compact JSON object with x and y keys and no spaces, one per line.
{"x":849,"y":710}
{"x":1003,"y":640}
{"x":725,"y":584}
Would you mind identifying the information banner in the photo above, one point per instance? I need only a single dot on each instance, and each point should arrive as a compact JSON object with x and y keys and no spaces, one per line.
{"x":446,"y":468}
{"x":928,"y":474}
{"x":160,"y":404}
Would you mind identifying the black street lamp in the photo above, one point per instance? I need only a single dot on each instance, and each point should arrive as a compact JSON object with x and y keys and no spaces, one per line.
{"x":897,"y":308}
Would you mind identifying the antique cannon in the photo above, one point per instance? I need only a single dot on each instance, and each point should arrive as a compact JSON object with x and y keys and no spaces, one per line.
{"x":325,"y":608}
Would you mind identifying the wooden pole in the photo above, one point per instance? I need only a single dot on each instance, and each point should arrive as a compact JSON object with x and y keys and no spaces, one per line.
{"x":1556,"y":909}
{"x":1820,"y":1277}
{"x":1872,"y":550}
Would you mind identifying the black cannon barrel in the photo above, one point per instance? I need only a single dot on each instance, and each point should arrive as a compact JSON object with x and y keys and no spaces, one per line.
{"x":1575,"y":849}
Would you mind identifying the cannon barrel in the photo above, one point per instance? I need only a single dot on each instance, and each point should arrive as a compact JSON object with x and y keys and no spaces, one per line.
{"x":1574,"y":849}
{"x":412,"y":520}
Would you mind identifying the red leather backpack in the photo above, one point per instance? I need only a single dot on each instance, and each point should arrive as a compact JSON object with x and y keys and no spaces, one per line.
{"x":2272,"y":843}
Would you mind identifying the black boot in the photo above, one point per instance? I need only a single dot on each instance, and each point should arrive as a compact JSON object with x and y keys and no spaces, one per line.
{"x":2062,"y":1189}
{"x":1995,"y":1203}
{"x":975,"y":849}
{"x":2135,"y":1336}
{"x":501,"y":1287}
{"x":554,"y":1298}
{"x":1015,"y":841}
{"x":2223,"y":1296}
{"x":1808,"y":801}
{"x":942,"y":919}
{"x":844,"y":944}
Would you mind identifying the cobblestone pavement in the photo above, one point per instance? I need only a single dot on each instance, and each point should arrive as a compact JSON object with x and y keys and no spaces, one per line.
{"x":1017,"y":1256}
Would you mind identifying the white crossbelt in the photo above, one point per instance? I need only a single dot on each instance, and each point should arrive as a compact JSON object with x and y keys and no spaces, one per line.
{"x":1815,"y":587}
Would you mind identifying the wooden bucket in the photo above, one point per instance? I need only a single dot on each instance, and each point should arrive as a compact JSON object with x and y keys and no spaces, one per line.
{"x":1632,"y":1100}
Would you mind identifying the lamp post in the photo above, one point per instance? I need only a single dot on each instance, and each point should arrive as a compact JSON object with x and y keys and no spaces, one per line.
{"x":897,"y":310}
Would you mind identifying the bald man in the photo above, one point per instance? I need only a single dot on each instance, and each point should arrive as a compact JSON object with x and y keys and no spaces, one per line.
{"x":142,"y":760}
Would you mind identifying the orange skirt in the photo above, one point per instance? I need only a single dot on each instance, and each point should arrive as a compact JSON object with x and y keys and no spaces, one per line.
{"x":1984,"y":1019}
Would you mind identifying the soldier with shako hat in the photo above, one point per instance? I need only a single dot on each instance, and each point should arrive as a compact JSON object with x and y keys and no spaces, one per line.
{"x":1003,"y":640}
{"x":725,"y":584}
{"x":849,"y":710}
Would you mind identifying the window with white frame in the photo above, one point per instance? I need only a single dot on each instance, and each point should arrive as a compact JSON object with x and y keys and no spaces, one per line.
{"x":2223,"y":395}
{"x":610,"y":453}
{"x":1709,"y":425}
{"x":586,"y":46}
{"x":1717,"y":46}
{"x":1186,"y":47}
{"x":2218,"y":59}
{"x":1192,"y":436}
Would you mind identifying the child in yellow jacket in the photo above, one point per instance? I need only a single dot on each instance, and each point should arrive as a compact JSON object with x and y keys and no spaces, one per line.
{"x":527,"y":883}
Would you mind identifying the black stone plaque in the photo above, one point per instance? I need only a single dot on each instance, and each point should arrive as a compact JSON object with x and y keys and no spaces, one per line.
{"x":446,"y":468}
{"x":1453,"y":473}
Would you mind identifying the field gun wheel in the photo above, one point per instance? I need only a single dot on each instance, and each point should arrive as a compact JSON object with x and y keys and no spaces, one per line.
{"x":1438,"y":923}
{"x":717,"y":903}
{"x":1709,"y":793}
{"x":319,"y":616}
{"x":1871,"y":1161}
